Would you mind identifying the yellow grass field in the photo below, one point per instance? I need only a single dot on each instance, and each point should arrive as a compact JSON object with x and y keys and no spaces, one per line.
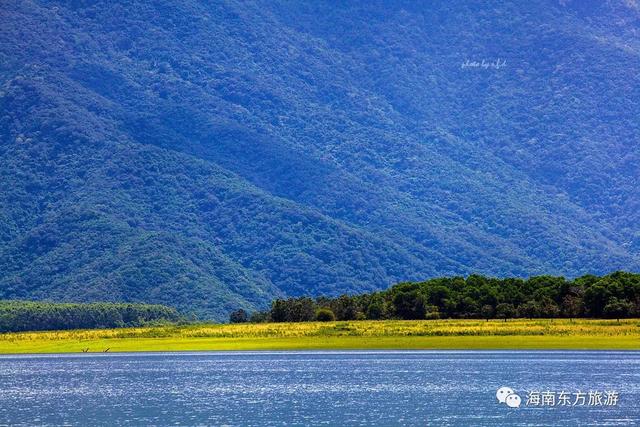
{"x":389,"y":334}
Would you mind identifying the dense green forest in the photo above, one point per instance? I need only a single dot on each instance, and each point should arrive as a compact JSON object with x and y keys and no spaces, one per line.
{"x":41,"y":316}
{"x":216,"y":155}
{"x":615,"y":295}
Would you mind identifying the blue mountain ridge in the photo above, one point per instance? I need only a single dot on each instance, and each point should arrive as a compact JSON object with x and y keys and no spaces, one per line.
{"x":213,"y":156}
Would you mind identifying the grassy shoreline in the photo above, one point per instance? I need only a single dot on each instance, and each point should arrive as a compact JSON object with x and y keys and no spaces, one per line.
{"x":559,"y":334}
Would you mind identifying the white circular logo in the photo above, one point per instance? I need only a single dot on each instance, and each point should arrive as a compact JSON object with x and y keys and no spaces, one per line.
{"x":502,"y":393}
{"x":513,"y":401}
{"x":509,"y":397}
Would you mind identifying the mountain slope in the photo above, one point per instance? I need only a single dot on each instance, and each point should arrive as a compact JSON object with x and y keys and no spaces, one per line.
{"x":214,"y":156}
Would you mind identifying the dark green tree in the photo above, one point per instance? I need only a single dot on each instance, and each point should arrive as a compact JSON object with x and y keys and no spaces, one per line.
{"x":617,"y":309}
{"x":596,"y":298}
{"x":487,"y":311}
{"x":432,"y":312}
{"x":572,"y":306}
{"x":529,"y":310}
{"x":345,"y":308}
{"x":375,"y":310}
{"x":505,"y":311}
{"x":260,"y":317}
{"x":548,"y":308}
{"x":410,"y":305}
{"x":238,"y":316}
{"x":280,"y":311}
{"x":325,"y":315}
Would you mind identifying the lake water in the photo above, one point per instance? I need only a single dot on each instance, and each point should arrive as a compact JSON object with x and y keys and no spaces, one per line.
{"x":318,"y":388}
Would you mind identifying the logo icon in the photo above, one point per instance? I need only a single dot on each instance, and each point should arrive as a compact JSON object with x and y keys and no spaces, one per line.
{"x":509,"y":397}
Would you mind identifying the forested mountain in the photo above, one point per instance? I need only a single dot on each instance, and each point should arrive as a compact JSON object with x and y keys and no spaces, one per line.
{"x":215,"y":155}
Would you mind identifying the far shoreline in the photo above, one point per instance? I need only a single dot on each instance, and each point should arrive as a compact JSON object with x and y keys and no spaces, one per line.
{"x":516,"y":334}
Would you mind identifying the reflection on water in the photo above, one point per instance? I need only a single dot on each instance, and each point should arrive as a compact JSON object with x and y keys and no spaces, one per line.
{"x":313,"y":388}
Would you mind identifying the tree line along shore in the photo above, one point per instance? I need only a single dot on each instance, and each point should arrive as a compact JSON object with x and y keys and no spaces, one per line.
{"x":18,"y":316}
{"x":615,"y":295}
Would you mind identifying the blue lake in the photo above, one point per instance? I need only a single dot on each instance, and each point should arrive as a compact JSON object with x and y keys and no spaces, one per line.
{"x":317,"y":388}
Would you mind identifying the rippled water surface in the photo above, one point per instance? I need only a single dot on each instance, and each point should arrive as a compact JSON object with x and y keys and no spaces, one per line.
{"x":313,"y":388}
